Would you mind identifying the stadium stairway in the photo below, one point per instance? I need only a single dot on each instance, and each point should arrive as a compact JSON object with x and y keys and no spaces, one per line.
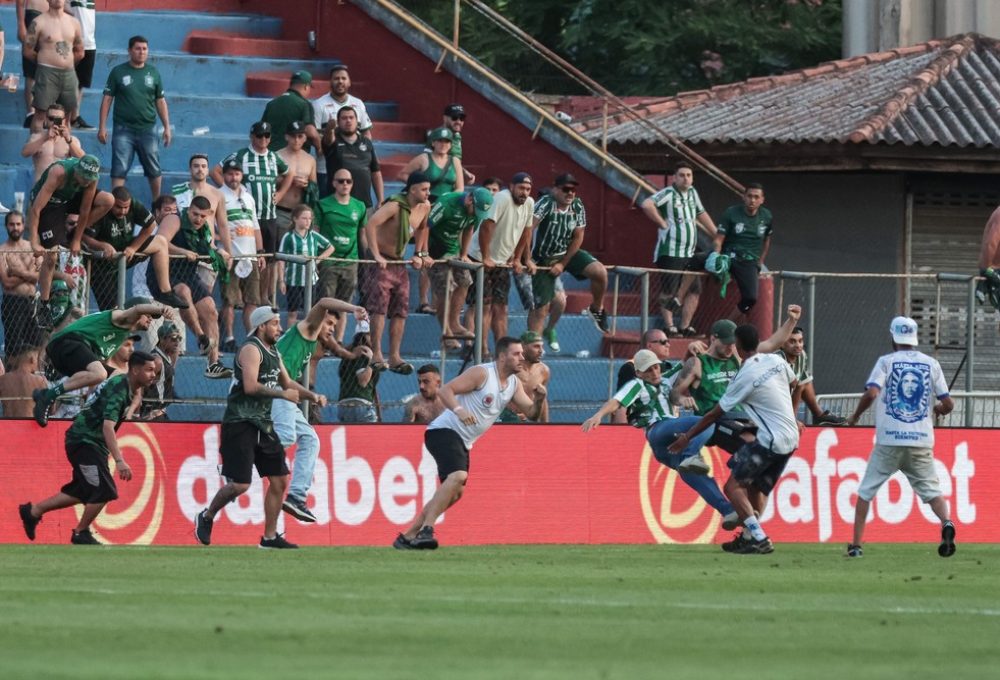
{"x":219,"y":70}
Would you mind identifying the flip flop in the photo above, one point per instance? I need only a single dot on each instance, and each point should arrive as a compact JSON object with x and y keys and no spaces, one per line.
{"x":402,"y":369}
{"x":379,"y":366}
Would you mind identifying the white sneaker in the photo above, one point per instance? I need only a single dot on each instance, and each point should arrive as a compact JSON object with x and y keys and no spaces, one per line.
{"x":4,"y":209}
{"x":694,"y":465}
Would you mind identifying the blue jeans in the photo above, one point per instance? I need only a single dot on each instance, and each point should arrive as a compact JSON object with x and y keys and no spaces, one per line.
{"x":356,"y":411}
{"x":292,"y":427}
{"x":126,"y":143}
{"x":662,"y":434}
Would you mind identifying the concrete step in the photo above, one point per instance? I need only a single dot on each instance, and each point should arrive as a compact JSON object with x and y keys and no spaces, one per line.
{"x":221,"y":42}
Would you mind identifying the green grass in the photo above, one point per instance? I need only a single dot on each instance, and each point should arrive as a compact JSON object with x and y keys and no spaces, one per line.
{"x":498,"y":612}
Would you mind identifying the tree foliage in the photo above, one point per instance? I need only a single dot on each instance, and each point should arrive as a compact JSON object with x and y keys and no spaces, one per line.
{"x":647,"y":47}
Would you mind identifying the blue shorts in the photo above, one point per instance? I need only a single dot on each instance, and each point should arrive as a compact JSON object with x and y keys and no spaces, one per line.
{"x":126,"y":143}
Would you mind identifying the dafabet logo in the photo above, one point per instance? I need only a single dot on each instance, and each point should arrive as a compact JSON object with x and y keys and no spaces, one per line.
{"x":673,"y":512}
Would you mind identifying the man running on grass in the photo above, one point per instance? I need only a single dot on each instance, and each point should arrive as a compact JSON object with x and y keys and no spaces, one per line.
{"x":473,"y":401}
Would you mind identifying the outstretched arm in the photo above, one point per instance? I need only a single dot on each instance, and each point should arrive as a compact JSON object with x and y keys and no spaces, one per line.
{"x":780,"y":337}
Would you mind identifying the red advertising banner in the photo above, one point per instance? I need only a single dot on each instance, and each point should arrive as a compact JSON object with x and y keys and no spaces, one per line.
{"x":527,"y":484}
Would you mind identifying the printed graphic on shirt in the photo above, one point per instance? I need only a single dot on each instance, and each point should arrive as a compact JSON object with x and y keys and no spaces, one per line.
{"x":907,"y":393}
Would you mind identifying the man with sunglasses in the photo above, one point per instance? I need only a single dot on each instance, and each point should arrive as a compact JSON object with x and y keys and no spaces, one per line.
{"x":454,"y":120}
{"x":559,"y":223}
{"x":54,"y":143}
{"x":344,"y":147}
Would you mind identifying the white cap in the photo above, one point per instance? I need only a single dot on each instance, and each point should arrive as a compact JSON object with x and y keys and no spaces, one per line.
{"x":904,"y":331}
{"x":261,"y":316}
{"x":644,"y":360}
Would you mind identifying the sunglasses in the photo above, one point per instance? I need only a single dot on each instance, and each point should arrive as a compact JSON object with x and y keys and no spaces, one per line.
{"x":461,"y":117}
{"x":664,"y":341}
{"x":568,"y":190}
{"x":262,"y":135}
{"x":344,"y":181}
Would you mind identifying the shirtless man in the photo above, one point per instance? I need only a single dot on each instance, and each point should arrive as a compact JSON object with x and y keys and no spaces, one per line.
{"x":53,"y":143}
{"x":531,"y":374}
{"x":27,"y":10}
{"x":388,"y":231}
{"x":425,"y":406}
{"x":55,"y":42}
{"x":302,"y":169}
{"x":17,"y":384}
{"x":18,"y":274}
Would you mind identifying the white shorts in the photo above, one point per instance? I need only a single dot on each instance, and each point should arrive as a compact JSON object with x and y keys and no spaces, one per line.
{"x":916,"y":463}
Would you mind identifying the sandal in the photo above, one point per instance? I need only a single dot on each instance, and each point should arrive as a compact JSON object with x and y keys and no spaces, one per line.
{"x":402,"y":369}
{"x":690,"y":332}
{"x":672,"y":332}
{"x":379,"y":366}
{"x":426,"y":309}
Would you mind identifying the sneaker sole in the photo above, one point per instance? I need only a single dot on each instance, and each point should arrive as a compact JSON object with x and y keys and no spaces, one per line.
{"x":700,"y":468}
{"x":198,"y":538}
{"x":947,"y":547}
{"x":731,"y":524}
{"x":424,"y":545}
{"x":23,"y":510}
{"x":296,"y":513}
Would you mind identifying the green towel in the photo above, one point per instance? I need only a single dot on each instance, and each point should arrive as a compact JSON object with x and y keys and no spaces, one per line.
{"x":718,"y":266}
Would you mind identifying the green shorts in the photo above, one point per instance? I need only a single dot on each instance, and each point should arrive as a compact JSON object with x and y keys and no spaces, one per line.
{"x":54,"y":85}
{"x":543,"y":284}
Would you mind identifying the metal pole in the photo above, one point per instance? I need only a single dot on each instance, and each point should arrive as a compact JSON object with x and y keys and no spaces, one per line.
{"x":455,"y":26}
{"x":811,"y":323}
{"x":308,"y":303}
{"x":446,"y":315}
{"x":477,"y":351}
{"x":644,"y":301}
{"x":122,"y":273}
{"x":970,"y":348}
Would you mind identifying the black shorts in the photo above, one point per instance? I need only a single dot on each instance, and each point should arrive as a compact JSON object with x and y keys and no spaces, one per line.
{"x":92,"y":479}
{"x":756,"y":465}
{"x":85,"y":69}
{"x":295,"y":298}
{"x":243,"y":445}
{"x":181,"y":271}
{"x":52,"y":221}
{"x":269,"y":236}
{"x":745,"y":273}
{"x":68,"y":354}
{"x":669,"y":283}
{"x":448,"y":451}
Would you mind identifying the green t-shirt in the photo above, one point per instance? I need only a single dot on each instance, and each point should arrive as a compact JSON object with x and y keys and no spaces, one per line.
{"x":260,"y":177}
{"x":556,"y":227}
{"x":242,"y":407}
{"x":716,"y":374}
{"x":447,"y":220}
{"x":98,"y":332}
{"x":349,"y":387}
{"x":295,"y":351}
{"x":135,"y":91}
{"x":341,"y":224}
{"x":108,"y":401}
{"x":284,"y":109}
{"x":66,"y":191}
{"x":118,"y":231}
{"x":645,"y":404}
{"x":745,"y":234}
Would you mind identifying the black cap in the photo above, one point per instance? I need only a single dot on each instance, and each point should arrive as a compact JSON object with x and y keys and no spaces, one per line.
{"x":521,"y":178}
{"x":454,"y":110}
{"x":295,"y":127}
{"x":416,"y":178}
{"x":232,"y":164}
{"x":565,"y":178}
{"x":260,"y":127}
{"x":135,"y":337}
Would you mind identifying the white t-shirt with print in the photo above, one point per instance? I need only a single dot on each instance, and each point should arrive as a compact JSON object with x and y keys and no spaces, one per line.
{"x":511,"y":220}
{"x":763,"y":388}
{"x":904,"y":413}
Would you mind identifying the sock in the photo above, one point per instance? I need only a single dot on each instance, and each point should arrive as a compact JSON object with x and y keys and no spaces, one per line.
{"x":753,"y":526}
{"x":59,"y":389}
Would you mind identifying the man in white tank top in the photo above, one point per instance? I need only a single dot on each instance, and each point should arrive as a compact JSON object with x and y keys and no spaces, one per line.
{"x":473,"y":401}
{"x":901,"y":386}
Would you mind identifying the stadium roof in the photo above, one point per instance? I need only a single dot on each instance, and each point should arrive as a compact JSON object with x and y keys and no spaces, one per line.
{"x":942,"y":92}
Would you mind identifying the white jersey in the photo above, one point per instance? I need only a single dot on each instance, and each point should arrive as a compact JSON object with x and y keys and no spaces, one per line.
{"x":86,"y":14}
{"x":763,"y":388}
{"x":511,"y":220}
{"x":486,"y":403}
{"x":241,"y":216}
{"x":325,"y":108}
{"x":904,"y":413}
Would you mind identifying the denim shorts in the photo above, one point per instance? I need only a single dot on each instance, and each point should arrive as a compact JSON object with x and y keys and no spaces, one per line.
{"x":126,"y":143}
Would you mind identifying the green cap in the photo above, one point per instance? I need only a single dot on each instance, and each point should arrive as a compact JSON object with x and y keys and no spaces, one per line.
{"x":482,"y":201}
{"x":725,"y":331}
{"x":302,"y":77}
{"x":89,"y":167}
{"x":528,"y":337}
{"x":440,"y":133}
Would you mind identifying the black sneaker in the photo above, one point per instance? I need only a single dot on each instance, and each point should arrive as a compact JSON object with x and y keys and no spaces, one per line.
{"x":170,"y":299}
{"x":43,"y":405}
{"x":424,"y":540}
{"x":298,"y":509}
{"x":81,"y":124}
{"x":673,"y":305}
{"x":27,"y":121}
{"x":831,"y":419}
{"x":83,"y":538}
{"x":276,"y":543}
{"x":735,"y":545}
{"x":203,"y":527}
{"x":43,"y":315}
{"x":205,"y":343}
{"x":28,"y":521}
{"x":217,"y":370}
{"x":229,"y":345}
{"x":403,"y":543}
{"x":854,"y":550}
{"x":947,"y":547}
{"x":752,"y":546}
{"x":730,"y":521}
{"x":600,"y":319}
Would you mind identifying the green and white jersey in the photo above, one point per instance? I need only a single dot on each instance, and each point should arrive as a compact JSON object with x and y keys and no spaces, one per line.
{"x":645,"y":404}
{"x":85,"y":12}
{"x":680,"y":211}
{"x":241,"y":216}
{"x":800,"y":366}
{"x":745,"y":234}
{"x":556,"y":227}
{"x":108,"y":401}
{"x":309,"y":244}
{"x":260,"y":176}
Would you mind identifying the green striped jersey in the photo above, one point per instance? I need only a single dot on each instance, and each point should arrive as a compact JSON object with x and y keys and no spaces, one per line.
{"x":680,"y":211}
{"x":556,"y":227}
{"x":260,"y":177}
{"x":645,"y":403}
{"x":309,"y":245}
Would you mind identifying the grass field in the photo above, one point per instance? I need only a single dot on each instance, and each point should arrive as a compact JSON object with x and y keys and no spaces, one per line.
{"x":498,"y":612}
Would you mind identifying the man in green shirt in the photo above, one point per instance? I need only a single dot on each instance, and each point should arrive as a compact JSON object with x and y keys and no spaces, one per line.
{"x":341,"y":218}
{"x":89,"y":441}
{"x":248,"y":438}
{"x":112,"y":234}
{"x":79,"y":350}
{"x":293,"y":105}
{"x":452,"y":221}
{"x":744,"y":234}
{"x":296,"y":347}
{"x":137,"y":90}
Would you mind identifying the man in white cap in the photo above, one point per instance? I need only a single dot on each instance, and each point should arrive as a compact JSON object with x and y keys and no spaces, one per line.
{"x":248,"y":437}
{"x":904,"y":429}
